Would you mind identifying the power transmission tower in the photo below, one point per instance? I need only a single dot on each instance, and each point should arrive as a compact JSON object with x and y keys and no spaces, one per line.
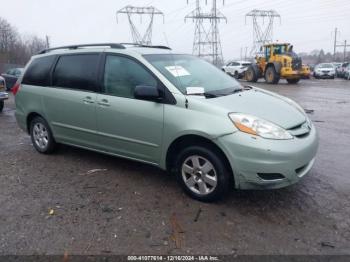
{"x":206,"y":43}
{"x":146,"y":38}
{"x":262,"y":34}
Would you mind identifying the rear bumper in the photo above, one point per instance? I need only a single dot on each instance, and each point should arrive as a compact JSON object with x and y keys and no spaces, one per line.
{"x":252,"y":158}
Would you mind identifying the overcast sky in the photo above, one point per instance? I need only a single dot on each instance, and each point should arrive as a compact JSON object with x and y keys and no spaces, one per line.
{"x":306,"y":24}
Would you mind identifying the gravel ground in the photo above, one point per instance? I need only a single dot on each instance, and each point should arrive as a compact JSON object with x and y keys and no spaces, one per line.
{"x":52,"y":204}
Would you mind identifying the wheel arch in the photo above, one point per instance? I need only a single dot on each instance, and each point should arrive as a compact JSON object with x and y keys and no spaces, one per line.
{"x":189,"y":140}
{"x":29,"y":118}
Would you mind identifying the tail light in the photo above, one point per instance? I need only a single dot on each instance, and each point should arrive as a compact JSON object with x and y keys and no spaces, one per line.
{"x":15,"y":88}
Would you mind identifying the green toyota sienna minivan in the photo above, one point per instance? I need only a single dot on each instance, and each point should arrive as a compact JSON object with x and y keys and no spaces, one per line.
{"x":174,"y":111}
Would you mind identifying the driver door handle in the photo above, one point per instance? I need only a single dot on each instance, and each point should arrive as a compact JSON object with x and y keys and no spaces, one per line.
{"x":88,"y":100}
{"x":104,"y":102}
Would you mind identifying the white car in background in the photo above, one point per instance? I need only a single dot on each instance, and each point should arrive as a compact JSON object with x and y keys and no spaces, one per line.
{"x":236,"y":68}
{"x":324,"y":70}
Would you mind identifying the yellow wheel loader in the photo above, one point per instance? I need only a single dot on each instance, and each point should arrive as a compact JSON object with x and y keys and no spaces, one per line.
{"x":277,"y":61}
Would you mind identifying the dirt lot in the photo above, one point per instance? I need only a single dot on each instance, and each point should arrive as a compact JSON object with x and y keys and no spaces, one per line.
{"x":131,"y":208}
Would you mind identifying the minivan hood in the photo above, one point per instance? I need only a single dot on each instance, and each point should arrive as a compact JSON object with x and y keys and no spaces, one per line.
{"x":263,"y":104}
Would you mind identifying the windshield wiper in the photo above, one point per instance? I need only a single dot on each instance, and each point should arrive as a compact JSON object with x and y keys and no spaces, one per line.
{"x":214,"y":94}
{"x":206,"y":95}
{"x":234,"y":91}
{"x":210,"y":95}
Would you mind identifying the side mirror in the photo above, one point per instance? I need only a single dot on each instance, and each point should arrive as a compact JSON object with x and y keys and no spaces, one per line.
{"x":149,"y":93}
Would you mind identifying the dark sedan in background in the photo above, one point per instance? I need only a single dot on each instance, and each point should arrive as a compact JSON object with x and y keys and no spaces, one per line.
{"x":11,"y":77}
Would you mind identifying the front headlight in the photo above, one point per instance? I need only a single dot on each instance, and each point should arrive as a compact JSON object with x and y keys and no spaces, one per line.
{"x":256,"y":126}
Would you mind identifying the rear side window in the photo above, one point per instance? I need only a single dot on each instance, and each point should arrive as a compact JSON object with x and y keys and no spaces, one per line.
{"x":76,"y":72}
{"x":38,"y":72}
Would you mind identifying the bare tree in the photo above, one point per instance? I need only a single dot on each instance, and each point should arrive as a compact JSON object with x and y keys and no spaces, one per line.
{"x":17,"y":49}
{"x":8,"y":38}
{"x":34,"y":44}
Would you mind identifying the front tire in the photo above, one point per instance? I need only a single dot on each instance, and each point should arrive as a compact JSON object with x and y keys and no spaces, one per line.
{"x":271,"y":76}
{"x":1,"y":106}
{"x":251,"y":75}
{"x":202,"y":173}
{"x":41,"y":136}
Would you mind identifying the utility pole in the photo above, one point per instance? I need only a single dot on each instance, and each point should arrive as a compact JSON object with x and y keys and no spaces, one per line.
{"x":344,"y":50}
{"x":342,"y":45}
{"x":47,"y":41}
{"x":146,"y":38}
{"x":335,"y":41}
{"x":262,"y":36}
{"x":206,"y":43}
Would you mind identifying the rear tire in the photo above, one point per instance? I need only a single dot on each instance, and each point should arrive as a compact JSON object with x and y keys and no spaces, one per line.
{"x":202,"y":173}
{"x":41,"y":136}
{"x":293,"y":81}
{"x":271,"y":76}
{"x":251,"y":75}
{"x":236,"y":75}
{"x":1,"y":106}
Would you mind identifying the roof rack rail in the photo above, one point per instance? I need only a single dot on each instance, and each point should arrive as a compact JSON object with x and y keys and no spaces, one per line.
{"x":111,"y":45}
{"x":147,"y":46}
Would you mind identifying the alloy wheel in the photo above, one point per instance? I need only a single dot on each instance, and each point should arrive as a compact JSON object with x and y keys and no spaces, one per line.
{"x":40,"y":135}
{"x":199,"y":175}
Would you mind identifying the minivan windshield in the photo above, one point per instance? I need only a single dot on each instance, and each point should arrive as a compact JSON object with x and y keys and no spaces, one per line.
{"x":185,"y":71}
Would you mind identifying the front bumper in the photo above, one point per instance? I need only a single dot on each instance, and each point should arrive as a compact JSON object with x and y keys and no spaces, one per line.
{"x":324,"y":75}
{"x":3,"y":96}
{"x":254,"y":157}
{"x":289,"y":73}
